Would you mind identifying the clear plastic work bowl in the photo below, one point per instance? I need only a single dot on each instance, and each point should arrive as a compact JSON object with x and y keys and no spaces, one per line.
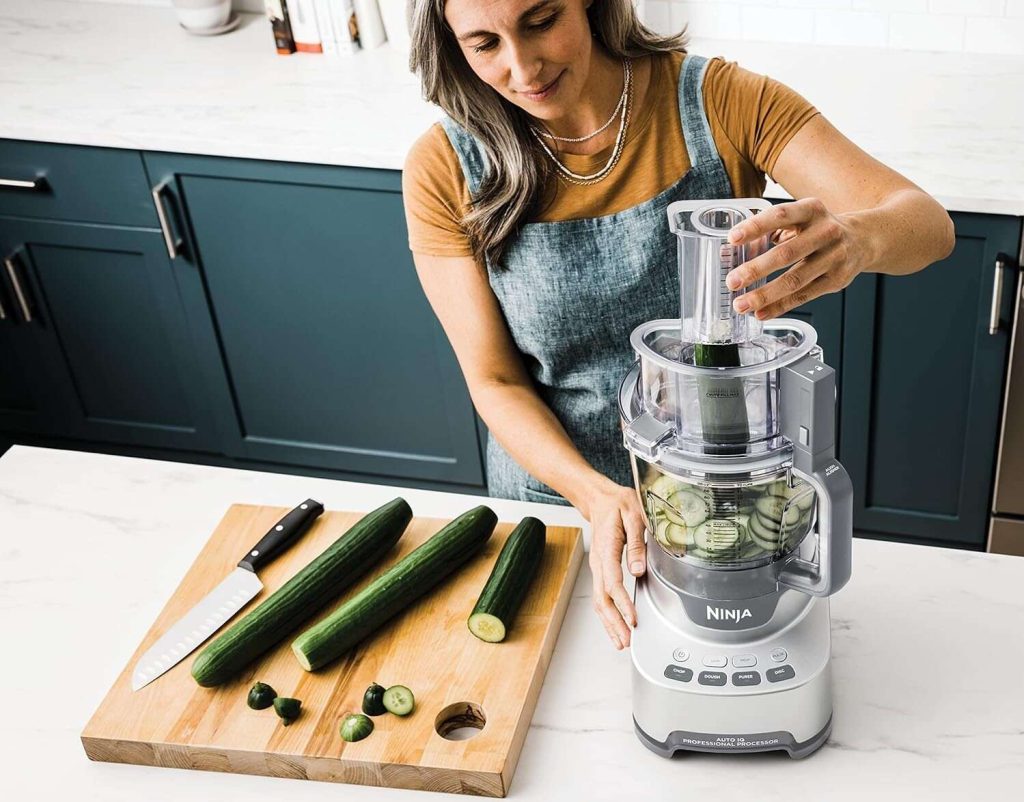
{"x":731,"y":522}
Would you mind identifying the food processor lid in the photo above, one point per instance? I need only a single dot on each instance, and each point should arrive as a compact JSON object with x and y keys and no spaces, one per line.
{"x":782,"y":342}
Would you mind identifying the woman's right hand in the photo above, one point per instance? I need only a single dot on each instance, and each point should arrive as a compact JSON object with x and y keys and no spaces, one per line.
{"x":616,"y":521}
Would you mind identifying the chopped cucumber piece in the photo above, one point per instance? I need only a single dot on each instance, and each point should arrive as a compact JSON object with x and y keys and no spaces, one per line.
{"x":373,"y":701}
{"x":399,"y":700}
{"x":261,"y":696}
{"x":287,"y":709}
{"x":355,"y":727}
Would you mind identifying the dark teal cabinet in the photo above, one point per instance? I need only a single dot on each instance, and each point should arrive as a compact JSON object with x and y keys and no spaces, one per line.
{"x":922,"y":387}
{"x":318,"y":345}
{"x":97,"y":338}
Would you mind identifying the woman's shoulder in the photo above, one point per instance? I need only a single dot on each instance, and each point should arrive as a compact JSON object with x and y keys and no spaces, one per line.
{"x":435,"y":195}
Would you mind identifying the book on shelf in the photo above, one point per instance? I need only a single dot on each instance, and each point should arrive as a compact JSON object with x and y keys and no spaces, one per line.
{"x":305,"y":30}
{"x":277,"y":13}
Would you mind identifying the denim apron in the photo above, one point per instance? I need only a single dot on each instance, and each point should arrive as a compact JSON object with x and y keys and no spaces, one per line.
{"x":575,"y":290}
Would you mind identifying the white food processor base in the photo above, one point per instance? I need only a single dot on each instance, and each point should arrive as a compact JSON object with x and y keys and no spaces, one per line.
{"x":705,"y":690}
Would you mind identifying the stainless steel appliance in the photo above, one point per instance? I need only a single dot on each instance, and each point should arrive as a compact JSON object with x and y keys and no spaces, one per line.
{"x":729,"y":423}
{"x":1006,"y":528}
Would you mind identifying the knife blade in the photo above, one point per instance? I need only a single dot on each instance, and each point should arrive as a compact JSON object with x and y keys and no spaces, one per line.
{"x":221,"y":603}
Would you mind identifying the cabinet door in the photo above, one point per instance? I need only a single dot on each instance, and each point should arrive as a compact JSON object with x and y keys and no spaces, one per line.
{"x":27,"y":403}
{"x":304,"y":288}
{"x":922,"y":387}
{"x":108,"y":333}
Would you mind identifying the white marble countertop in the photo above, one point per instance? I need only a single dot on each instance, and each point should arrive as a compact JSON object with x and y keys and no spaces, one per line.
{"x":129,"y":76}
{"x":927,"y":648}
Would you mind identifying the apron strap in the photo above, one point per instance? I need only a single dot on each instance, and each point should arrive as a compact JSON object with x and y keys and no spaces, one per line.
{"x":700,"y":144}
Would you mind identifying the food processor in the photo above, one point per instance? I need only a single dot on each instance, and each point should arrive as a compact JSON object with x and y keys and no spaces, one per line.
{"x":729,"y":422}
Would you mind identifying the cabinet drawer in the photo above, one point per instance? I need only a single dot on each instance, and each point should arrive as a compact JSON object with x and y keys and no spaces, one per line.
{"x":75,"y":183}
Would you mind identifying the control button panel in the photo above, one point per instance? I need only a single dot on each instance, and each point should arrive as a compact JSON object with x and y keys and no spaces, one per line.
{"x":714,"y":661}
{"x":678,"y":673}
{"x":779,"y":655}
{"x":680,"y":655}
{"x":742,"y":678}
{"x":711,"y":678}
{"x":780,"y":673}
{"x":744,"y":661}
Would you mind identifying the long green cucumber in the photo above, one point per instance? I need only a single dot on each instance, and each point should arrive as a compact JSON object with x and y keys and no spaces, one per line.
{"x":510,"y":578}
{"x":723,"y":407}
{"x":325,"y":578}
{"x":395,"y":589}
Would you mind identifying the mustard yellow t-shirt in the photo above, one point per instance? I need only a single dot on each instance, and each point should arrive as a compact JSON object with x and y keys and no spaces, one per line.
{"x":752,"y":119}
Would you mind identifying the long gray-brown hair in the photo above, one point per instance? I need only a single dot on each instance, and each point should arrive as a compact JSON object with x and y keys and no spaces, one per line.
{"x":512,"y":189}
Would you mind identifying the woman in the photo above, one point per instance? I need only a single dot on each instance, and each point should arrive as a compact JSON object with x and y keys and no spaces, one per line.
{"x":536,"y":215}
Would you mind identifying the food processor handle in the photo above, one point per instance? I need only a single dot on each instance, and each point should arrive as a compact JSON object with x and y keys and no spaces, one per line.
{"x":808,"y":406}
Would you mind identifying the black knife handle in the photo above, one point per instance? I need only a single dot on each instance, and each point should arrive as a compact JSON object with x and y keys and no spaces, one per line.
{"x":281,"y":534}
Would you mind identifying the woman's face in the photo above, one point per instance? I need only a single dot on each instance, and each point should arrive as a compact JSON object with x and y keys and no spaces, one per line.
{"x":534,"y":53}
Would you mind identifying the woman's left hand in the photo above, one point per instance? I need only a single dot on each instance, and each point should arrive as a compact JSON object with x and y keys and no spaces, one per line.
{"x":823,"y":253}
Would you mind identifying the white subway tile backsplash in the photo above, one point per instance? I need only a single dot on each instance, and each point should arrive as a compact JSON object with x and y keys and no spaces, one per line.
{"x":924,"y":32}
{"x":890,"y":6}
{"x":777,"y":24}
{"x":816,"y":4}
{"x":968,"y":8}
{"x":1015,"y":8}
{"x":995,"y":35}
{"x":980,"y":26}
{"x":708,"y":20}
{"x":862,"y":28}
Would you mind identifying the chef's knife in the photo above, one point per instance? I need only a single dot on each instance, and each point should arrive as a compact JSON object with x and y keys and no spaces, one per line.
{"x":221,"y":603}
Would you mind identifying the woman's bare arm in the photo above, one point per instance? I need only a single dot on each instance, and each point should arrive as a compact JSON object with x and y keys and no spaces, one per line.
{"x":853,"y":215}
{"x":504,"y":395}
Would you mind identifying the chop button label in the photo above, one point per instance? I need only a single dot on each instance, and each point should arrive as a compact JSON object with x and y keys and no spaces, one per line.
{"x":678,"y":673}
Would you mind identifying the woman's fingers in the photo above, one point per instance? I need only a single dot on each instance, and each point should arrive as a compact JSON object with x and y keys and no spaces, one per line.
{"x":636,"y":549}
{"x":616,"y":628}
{"x":786,"y":291}
{"x":783,"y":215}
{"x":612,"y":570}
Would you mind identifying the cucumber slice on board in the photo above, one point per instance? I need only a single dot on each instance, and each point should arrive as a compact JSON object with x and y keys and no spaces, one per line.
{"x":399,"y":700}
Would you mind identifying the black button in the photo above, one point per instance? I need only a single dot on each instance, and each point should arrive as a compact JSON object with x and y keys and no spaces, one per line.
{"x":678,"y":673}
{"x":746,"y":678}
{"x":711,"y":678}
{"x":780,"y":673}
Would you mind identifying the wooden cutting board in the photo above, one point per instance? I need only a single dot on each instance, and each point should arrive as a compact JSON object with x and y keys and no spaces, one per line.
{"x":455,"y":677}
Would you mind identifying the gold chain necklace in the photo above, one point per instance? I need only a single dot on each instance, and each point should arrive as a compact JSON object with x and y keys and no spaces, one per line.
{"x":593,"y":178}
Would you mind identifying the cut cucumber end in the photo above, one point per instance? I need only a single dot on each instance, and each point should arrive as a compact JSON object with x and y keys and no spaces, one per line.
{"x":301,"y":657}
{"x":399,"y":700}
{"x":487,"y":627}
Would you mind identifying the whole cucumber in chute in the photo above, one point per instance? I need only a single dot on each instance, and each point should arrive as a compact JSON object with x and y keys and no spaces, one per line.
{"x":723,"y":406}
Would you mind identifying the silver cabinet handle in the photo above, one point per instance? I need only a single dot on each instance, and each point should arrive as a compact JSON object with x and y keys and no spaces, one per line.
{"x":12,"y":274}
{"x":173,"y":243}
{"x":3,"y":312}
{"x":997,"y":293}
{"x":36,"y":184}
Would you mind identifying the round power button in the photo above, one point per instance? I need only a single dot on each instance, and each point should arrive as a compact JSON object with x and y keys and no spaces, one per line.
{"x":779,"y":654}
{"x":680,"y":655}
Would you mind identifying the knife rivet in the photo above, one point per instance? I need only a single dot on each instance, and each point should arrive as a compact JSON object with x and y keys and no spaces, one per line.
{"x":304,"y":506}
{"x":254,"y":553}
{"x":279,"y":527}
